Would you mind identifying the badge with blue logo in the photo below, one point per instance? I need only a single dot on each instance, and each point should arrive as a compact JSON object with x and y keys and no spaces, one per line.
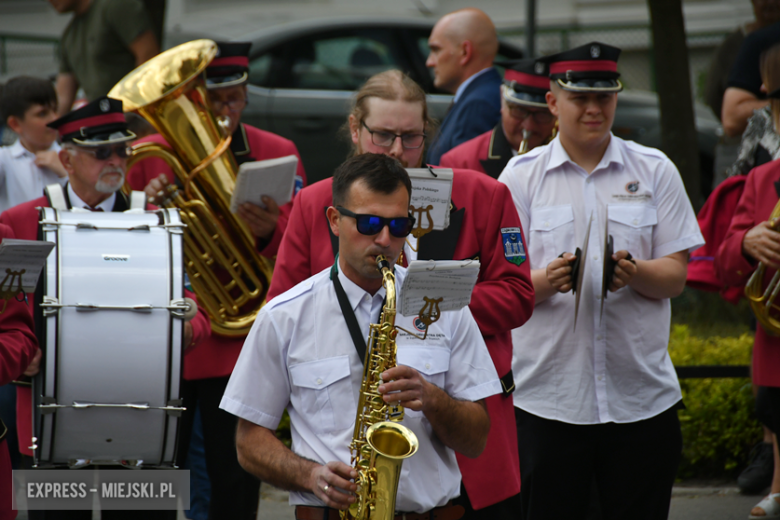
{"x":187,"y":284}
{"x":512,"y":240}
{"x":298,"y":185}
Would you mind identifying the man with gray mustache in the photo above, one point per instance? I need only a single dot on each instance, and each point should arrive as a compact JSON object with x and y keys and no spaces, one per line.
{"x":95,"y":142}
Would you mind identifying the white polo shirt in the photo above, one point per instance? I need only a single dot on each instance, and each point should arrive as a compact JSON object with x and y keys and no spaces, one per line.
{"x":20,"y":179}
{"x":617,"y":369}
{"x":299,"y":356}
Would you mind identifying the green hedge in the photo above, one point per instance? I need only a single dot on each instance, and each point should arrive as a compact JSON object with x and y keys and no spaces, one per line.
{"x":718,"y":426}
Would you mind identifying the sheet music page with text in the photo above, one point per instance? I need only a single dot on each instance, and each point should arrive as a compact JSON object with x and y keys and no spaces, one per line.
{"x":451,"y":280}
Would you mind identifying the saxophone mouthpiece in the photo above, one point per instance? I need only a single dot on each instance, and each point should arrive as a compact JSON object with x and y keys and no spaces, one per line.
{"x":382,"y":262}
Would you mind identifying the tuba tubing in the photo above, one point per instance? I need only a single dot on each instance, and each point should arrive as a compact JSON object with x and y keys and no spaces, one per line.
{"x":227,"y":273}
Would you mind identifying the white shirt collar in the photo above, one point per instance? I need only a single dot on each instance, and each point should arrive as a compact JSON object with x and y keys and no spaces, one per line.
{"x":76,"y":202}
{"x":559,"y":156}
{"x":18,"y":150}
{"x":355,"y":293}
{"x":466,"y":83}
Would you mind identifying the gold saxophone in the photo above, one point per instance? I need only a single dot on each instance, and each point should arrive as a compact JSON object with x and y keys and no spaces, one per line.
{"x":379,"y":444}
{"x":762,"y":300}
{"x":227,"y":273}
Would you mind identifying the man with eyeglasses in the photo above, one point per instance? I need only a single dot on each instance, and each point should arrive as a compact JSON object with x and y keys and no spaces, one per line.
{"x":300,"y":356}
{"x":234,"y":492}
{"x":390,"y":117}
{"x":94,"y":153}
{"x":524,"y":116}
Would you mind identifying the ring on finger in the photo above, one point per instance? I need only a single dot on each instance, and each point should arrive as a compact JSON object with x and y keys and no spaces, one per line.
{"x":325,"y":489}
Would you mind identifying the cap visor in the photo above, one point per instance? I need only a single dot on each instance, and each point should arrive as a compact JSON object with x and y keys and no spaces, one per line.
{"x":103,"y":139}
{"x":523,"y":98}
{"x":226,"y":81}
{"x":591,"y":85}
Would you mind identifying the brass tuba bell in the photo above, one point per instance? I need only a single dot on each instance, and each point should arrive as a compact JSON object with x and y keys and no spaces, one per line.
{"x":762,"y":300}
{"x":228,"y":275}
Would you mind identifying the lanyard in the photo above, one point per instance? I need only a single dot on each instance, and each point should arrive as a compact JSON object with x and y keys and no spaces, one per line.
{"x":348,"y":313}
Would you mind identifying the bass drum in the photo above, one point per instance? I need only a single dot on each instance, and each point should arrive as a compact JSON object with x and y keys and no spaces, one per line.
{"x":111,"y":330}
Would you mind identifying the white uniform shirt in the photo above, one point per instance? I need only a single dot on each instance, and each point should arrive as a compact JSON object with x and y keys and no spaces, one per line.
{"x":617,"y":370}
{"x":76,"y":202}
{"x":20,"y":179}
{"x":299,"y":355}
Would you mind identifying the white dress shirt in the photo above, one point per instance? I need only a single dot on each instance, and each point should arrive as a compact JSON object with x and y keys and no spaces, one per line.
{"x":616,"y":369}
{"x":20,"y":179}
{"x":76,"y":202}
{"x":299,"y":356}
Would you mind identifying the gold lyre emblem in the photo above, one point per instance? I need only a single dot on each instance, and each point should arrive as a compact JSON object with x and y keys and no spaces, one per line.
{"x":10,"y":286}
{"x":430,"y":312}
{"x":418,"y":230}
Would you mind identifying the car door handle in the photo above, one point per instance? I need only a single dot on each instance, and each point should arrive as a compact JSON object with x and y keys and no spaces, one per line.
{"x":310,"y":124}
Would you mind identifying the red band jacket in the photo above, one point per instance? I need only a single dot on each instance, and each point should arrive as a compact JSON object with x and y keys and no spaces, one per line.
{"x":17,"y":349}
{"x":503,"y":298}
{"x":762,"y":188}
{"x":487,"y":153}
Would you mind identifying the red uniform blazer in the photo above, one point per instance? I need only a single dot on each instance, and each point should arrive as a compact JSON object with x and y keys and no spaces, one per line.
{"x":17,"y":348}
{"x":487,"y":153}
{"x":503,"y":298}
{"x":759,"y":197}
{"x":217,"y":356}
{"x":23,"y":220}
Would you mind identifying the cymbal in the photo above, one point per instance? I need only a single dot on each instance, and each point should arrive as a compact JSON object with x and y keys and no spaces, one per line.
{"x":580,"y":269}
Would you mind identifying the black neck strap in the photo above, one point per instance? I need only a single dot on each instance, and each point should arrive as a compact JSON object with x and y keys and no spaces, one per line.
{"x":348,"y":313}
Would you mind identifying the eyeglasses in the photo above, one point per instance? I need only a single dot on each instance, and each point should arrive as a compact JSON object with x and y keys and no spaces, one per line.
{"x":541,"y":117}
{"x":101,"y":153}
{"x":372,"y":224}
{"x":234,"y":105}
{"x":386,"y":139}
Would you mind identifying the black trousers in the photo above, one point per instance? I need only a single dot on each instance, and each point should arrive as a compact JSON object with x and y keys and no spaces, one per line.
{"x":633,"y":466}
{"x":508,"y":509}
{"x":234,"y":492}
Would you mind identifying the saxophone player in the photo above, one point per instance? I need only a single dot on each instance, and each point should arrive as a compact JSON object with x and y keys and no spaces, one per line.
{"x":300,"y":355}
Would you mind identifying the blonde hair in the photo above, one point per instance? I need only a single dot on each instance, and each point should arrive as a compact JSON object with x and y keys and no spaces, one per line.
{"x":770,"y":76}
{"x":391,"y":85}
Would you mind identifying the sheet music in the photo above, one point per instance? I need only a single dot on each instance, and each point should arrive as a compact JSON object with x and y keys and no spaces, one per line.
{"x":451,"y":280}
{"x":428,"y":190}
{"x":273,"y":177}
{"x":17,"y":255}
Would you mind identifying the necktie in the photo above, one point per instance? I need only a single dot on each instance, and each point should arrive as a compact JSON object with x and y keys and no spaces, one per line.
{"x":93,"y":209}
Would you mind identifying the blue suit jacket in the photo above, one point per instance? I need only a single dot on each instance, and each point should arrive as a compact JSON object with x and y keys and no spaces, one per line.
{"x":478,"y":110}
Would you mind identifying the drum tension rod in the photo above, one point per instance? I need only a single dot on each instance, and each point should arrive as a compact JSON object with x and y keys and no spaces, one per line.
{"x":49,"y":405}
{"x":173,"y":228}
{"x":179,"y":307}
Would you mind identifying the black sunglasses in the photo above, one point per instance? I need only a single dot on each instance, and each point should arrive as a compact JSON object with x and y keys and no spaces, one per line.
{"x":101,"y":153}
{"x":372,"y":224}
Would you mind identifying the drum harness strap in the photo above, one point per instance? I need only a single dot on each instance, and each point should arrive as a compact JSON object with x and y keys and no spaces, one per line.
{"x":56,"y":196}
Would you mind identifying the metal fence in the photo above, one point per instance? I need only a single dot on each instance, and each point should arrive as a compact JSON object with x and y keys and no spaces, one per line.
{"x":636,"y":61}
{"x":33,"y":55}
